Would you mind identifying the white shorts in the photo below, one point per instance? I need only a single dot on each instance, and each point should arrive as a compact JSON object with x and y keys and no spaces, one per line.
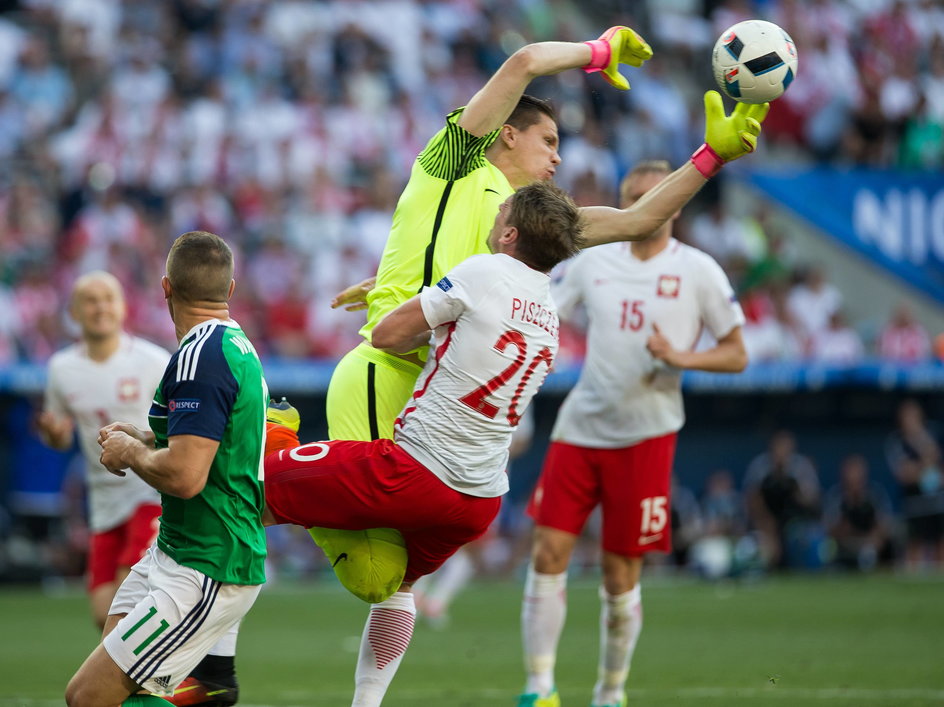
{"x":174,"y":616}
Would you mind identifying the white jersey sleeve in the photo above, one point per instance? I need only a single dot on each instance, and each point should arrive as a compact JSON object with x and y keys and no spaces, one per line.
{"x":445,"y":302}
{"x":96,"y":393}
{"x":567,"y":291}
{"x":720,"y":310}
{"x":496,"y":336}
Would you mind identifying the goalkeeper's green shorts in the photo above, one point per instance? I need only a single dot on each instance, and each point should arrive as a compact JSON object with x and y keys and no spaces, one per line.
{"x":368,"y":389}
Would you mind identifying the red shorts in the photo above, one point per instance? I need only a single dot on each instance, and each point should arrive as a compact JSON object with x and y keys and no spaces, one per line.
{"x":123,"y":545}
{"x":359,"y":485}
{"x":633,"y":484}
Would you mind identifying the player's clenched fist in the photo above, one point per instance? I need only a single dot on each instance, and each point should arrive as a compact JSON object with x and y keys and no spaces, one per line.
{"x":116,"y":450}
{"x":119,"y":441}
{"x":618,"y":45}
{"x":143,"y":436}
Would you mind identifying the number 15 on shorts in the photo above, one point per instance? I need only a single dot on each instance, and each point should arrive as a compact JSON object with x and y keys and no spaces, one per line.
{"x":655,"y":515}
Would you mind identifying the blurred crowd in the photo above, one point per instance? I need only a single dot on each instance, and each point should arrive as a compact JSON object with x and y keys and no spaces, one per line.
{"x":289,"y":127}
{"x":784,"y":518}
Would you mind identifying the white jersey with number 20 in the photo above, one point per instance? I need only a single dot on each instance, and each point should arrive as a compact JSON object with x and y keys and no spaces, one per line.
{"x":496,"y":331}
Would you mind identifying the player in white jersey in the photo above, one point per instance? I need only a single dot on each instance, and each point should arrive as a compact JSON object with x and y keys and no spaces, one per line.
{"x":107,"y":375}
{"x":614,"y":440}
{"x":439,"y":481}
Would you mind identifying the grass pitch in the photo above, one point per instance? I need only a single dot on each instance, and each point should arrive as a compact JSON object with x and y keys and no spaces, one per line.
{"x":826,"y":640}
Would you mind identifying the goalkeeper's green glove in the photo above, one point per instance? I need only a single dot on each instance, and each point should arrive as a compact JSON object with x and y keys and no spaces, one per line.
{"x":727,"y":137}
{"x":618,"y":45}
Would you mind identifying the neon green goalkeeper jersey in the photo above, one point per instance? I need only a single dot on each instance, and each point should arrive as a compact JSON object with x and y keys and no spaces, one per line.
{"x":444,"y":215}
{"x":213,"y":388}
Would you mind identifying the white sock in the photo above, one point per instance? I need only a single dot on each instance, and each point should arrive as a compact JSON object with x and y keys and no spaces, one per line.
{"x":542,"y":620}
{"x":448,"y":581}
{"x":384,"y":641}
{"x":620,"y":625}
{"x":226,"y":645}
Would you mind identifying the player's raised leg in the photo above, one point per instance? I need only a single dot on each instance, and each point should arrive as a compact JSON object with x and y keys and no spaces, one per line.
{"x":368,"y":389}
{"x":386,"y":637}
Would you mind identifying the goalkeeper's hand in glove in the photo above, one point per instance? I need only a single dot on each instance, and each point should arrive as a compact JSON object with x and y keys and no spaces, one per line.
{"x":727,"y":137}
{"x":618,"y":45}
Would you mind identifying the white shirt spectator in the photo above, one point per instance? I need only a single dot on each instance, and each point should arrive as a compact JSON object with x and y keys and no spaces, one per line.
{"x":903,"y":338}
{"x":838,"y":344}
{"x":811,"y":305}
{"x":204,"y":125}
{"x":899,"y":92}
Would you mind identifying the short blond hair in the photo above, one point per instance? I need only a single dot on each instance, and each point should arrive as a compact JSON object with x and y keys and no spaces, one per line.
{"x":550,"y":227}
{"x":97,"y":276}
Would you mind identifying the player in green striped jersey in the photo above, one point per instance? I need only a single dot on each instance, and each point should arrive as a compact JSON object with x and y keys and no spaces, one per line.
{"x":203,"y":453}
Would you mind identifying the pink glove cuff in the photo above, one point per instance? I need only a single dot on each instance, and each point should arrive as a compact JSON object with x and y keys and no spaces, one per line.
{"x":600,"y":53}
{"x":707,"y":161}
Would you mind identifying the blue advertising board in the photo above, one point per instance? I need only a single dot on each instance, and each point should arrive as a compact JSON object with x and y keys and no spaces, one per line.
{"x":310,"y":377}
{"x":894,"y":219}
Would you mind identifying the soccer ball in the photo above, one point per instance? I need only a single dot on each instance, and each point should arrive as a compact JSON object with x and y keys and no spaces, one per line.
{"x":754,"y":61}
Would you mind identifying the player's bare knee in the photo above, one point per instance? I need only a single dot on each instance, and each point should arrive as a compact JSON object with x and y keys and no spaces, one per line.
{"x":551,"y":553}
{"x":618,"y":584}
{"x":620,"y":574}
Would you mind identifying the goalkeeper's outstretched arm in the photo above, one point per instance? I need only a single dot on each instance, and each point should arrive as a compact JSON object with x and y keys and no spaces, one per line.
{"x":727,"y":137}
{"x":490,"y":107}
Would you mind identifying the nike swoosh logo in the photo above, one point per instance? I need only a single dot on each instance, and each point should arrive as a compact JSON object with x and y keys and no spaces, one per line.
{"x":491,"y":190}
{"x":651,"y":539}
{"x":342,"y":556}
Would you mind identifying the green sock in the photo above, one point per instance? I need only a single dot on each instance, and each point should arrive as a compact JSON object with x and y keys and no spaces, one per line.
{"x":144,"y":701}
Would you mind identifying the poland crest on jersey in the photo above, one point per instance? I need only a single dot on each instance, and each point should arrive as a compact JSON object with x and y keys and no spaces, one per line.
{"x":668,"y":286}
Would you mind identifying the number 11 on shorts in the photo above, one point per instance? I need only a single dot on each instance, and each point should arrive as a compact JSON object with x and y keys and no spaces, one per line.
{"x":147,"y":639}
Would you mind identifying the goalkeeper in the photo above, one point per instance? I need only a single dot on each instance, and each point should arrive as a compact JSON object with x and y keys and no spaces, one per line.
{"x":501,"y":141}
